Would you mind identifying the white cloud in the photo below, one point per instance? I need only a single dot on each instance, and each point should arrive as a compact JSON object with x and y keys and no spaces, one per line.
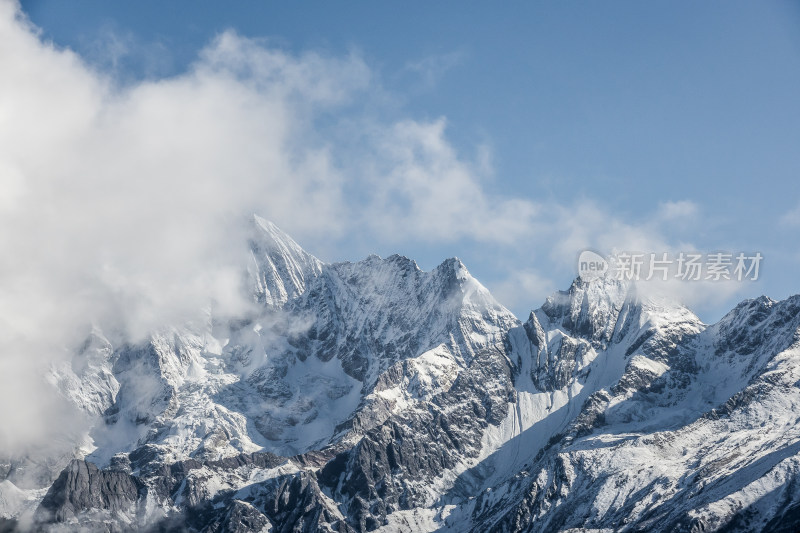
{"x":421,"y":189}
{"x":122,"y":203}
{"x":586,"y":225}
{"x":523,"y":289}
{"x":567,"y":230}
{"x":791,"y":218}
{"x":677,"y":211}
{"x":430,"y":69}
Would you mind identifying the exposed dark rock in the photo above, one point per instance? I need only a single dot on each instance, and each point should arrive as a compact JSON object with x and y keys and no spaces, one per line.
{"x":82,"y":486}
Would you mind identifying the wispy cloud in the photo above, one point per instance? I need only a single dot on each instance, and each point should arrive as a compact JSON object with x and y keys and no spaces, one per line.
{"x":523,"y":288}
{"x":791,"y":218}
{"x":432,"y":68}
{"x":680,"y":210}
{"x":420,"y":188}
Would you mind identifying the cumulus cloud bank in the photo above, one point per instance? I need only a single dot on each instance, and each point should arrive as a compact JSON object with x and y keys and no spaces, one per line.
{"x":122,"y":204}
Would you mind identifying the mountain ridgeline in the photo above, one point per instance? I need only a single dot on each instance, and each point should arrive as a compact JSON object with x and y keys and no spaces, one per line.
{"x":374,"y":396}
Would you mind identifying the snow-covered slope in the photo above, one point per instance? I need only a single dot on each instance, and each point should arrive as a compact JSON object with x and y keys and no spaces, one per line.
{"x":376,"y":396}
{"x":279,"y":269}
{"x":694,"y":431}
{"x":320,"y":362}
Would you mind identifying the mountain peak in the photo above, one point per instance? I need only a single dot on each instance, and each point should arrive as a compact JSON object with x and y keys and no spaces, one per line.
{"x":280,"y":268}
{"x":273,"y":237}
{"x":588,"y":308}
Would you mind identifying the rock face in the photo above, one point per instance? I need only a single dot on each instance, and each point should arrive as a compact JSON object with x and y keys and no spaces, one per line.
{"x":82,"y":486}
{"x":374,"y":396}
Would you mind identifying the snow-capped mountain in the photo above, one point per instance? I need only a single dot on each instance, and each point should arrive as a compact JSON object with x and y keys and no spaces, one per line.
{"x":694,"y":430}
{"x":374,"y":396}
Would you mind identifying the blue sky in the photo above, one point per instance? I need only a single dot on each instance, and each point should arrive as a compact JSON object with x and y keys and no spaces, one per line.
{"x":621,"y":109}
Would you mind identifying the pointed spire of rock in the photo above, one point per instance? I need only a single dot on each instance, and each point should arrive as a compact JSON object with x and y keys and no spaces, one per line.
{"x":280,"y":269}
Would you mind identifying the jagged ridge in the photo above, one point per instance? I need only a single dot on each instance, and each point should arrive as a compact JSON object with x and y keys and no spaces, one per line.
{"x":373,"y":395}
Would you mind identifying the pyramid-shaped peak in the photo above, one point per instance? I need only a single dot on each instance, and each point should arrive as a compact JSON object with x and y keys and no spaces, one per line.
{"x":454,"y":266}
{"x":271,"y":235}
{"x":281,"y":268}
